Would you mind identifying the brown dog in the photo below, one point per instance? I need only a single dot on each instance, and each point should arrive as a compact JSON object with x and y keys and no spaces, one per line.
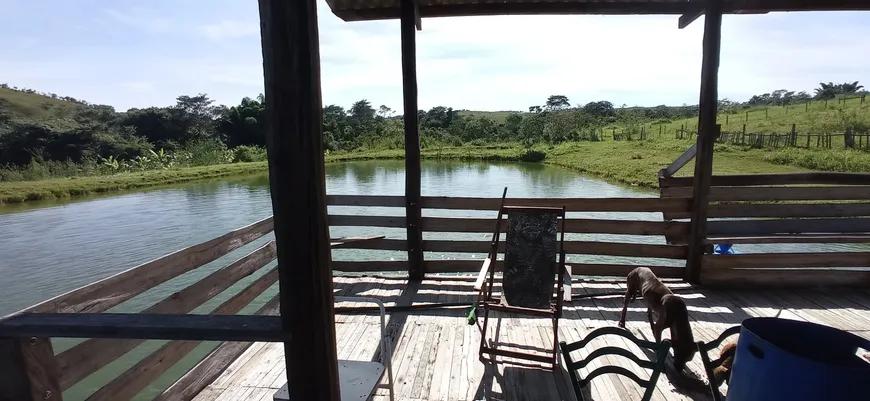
{"x":722,"y":373}
{"x":669,"y":309}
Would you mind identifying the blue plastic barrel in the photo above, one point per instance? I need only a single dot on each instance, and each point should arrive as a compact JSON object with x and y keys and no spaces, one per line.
{"x":789,"y":360}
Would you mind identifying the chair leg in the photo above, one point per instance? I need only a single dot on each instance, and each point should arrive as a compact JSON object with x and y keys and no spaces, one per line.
{"x":483,"y":333}
{"x":555,"y":342}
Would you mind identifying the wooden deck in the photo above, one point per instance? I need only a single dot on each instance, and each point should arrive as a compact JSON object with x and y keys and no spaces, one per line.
{"x":435,"y":351}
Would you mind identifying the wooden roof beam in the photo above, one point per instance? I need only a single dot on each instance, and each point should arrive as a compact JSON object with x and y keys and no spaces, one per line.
{"x":765,"y":6}
{"x":418,"y":22}
{"x":690,"y":17}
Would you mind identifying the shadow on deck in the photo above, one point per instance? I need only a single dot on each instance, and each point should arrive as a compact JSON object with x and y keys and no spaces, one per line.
{"x":435,"y":353}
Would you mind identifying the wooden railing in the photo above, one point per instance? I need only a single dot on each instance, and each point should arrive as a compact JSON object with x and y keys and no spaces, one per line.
{"x":82,"y":313}
{"x":808,"y":208}
{"x":86,"y":358}
{"x":464,"y":224}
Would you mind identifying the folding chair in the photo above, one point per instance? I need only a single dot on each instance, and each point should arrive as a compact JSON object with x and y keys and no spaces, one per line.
{"x":530,"y":270}
{"x":359,"y":379}
{"x":704,"y":349}
{"x":656,"y":366}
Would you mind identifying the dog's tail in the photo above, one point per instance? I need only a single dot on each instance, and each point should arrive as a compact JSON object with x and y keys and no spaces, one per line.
{"x":722,"y":373}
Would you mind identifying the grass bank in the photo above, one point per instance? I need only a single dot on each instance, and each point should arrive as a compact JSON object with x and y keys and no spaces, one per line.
{"x":58,"y":188}
{"x":629,"y":162}
{"x":22,"y":191}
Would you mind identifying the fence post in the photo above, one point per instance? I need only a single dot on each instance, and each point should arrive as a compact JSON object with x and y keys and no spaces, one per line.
{"x":807,"y":108}
{"x":765,"y":113}
{"x":808,"y":140}
{"x":743,"y":137}
{"x":726,"y":119}
{"x":747,"y":116}
{"x":29,"y":370}
{"x":793,"y":135}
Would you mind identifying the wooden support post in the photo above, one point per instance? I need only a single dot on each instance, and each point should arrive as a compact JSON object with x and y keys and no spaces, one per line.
{"x":412,"y":141}
{"x":291,"y":64}
{"x":28,"y":370}
{"x":708,"y":131}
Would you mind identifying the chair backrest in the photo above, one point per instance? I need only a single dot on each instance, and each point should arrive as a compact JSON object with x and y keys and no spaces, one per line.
{"x":530,"y":256}
{"x":704,"y":349}
{"x":656,"y":365}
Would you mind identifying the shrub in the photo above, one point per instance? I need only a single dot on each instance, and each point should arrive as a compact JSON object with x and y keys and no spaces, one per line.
{"x":247,"y":154}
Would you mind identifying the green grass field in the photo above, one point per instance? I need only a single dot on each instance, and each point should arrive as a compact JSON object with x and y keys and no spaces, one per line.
{"x":629,"y":162}
{"x":817,"y":117}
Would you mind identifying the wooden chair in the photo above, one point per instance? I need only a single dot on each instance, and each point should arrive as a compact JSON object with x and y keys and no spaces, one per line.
{"x":704,"y":349}
{"x":531,"y":269}
{"x":656,"y":366}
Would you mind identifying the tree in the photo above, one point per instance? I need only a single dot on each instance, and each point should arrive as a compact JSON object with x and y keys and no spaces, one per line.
{"x":534,"y":109}
{"x":361,"y":118}
{"x":244,"y":124}
{"x":532,"y":129}
{"x":601,"y":109}
{"x":335,"y":128}
{"x":557,"y":102}
{"x":438,"y":117}
{"x":385,"y":112}
{"x":826,"y":91}
{"x":512,"y":124}
{"x":850,"y":87}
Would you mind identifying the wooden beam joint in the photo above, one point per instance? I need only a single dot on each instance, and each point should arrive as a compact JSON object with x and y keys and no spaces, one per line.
{"x":28,"y":370}
{"x":690,"y":17}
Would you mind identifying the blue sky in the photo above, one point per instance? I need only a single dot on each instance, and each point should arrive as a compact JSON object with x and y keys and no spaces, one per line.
{"x":143,"y":53}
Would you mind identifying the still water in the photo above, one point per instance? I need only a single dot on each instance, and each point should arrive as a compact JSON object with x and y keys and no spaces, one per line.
{"x":48,"y":248}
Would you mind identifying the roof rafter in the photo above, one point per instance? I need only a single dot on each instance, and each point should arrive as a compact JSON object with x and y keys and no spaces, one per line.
{"x":363,"y":10}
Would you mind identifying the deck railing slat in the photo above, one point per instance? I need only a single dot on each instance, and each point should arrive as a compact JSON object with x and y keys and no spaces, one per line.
{"x":215,"y":363}
{"x":136,"y":378}
{"x":111,"y":291}
{"x":89,"y":356}
{"x":571,"y":204}
{"x":143,"y":326}
{"x":821,"y":178}
{"x":786,"y":210}
{"x":787,"y":260}
{"x":732,"y":194}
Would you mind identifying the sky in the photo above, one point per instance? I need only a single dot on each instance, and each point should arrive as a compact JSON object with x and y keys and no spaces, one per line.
{"x":146,"y":53}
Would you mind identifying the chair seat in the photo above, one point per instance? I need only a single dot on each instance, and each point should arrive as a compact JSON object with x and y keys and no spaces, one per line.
{"x":502,"y":306}
{"x":357,"y":380}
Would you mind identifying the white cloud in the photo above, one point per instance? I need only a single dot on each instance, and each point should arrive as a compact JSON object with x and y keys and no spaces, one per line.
{"x":140,"y":18}
{"x":485,"y":63}
{"x":230,"y":29}
{"x":139,"y":86}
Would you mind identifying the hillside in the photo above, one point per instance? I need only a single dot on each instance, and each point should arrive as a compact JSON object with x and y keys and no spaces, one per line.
{"x":814,"y":117}
{"x":18,"y":106}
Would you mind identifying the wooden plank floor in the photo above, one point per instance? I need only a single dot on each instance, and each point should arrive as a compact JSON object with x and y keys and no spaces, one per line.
{"x":435,"y":351}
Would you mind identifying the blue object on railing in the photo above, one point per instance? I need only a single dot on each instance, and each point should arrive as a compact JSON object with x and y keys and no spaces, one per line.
{"x":724,"y":249}
{"x":789,"y":360}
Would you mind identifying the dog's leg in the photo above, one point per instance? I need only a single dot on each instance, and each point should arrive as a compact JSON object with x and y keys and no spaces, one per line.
{"x":660,"y":325}
{"x":652,"y":325}
{"x":629,"y":294}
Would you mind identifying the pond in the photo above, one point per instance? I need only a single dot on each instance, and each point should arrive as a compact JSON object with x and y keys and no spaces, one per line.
{"x":48,"y":248}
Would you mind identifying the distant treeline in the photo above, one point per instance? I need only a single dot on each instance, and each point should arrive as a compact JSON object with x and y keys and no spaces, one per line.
{"x":77,"y":131}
